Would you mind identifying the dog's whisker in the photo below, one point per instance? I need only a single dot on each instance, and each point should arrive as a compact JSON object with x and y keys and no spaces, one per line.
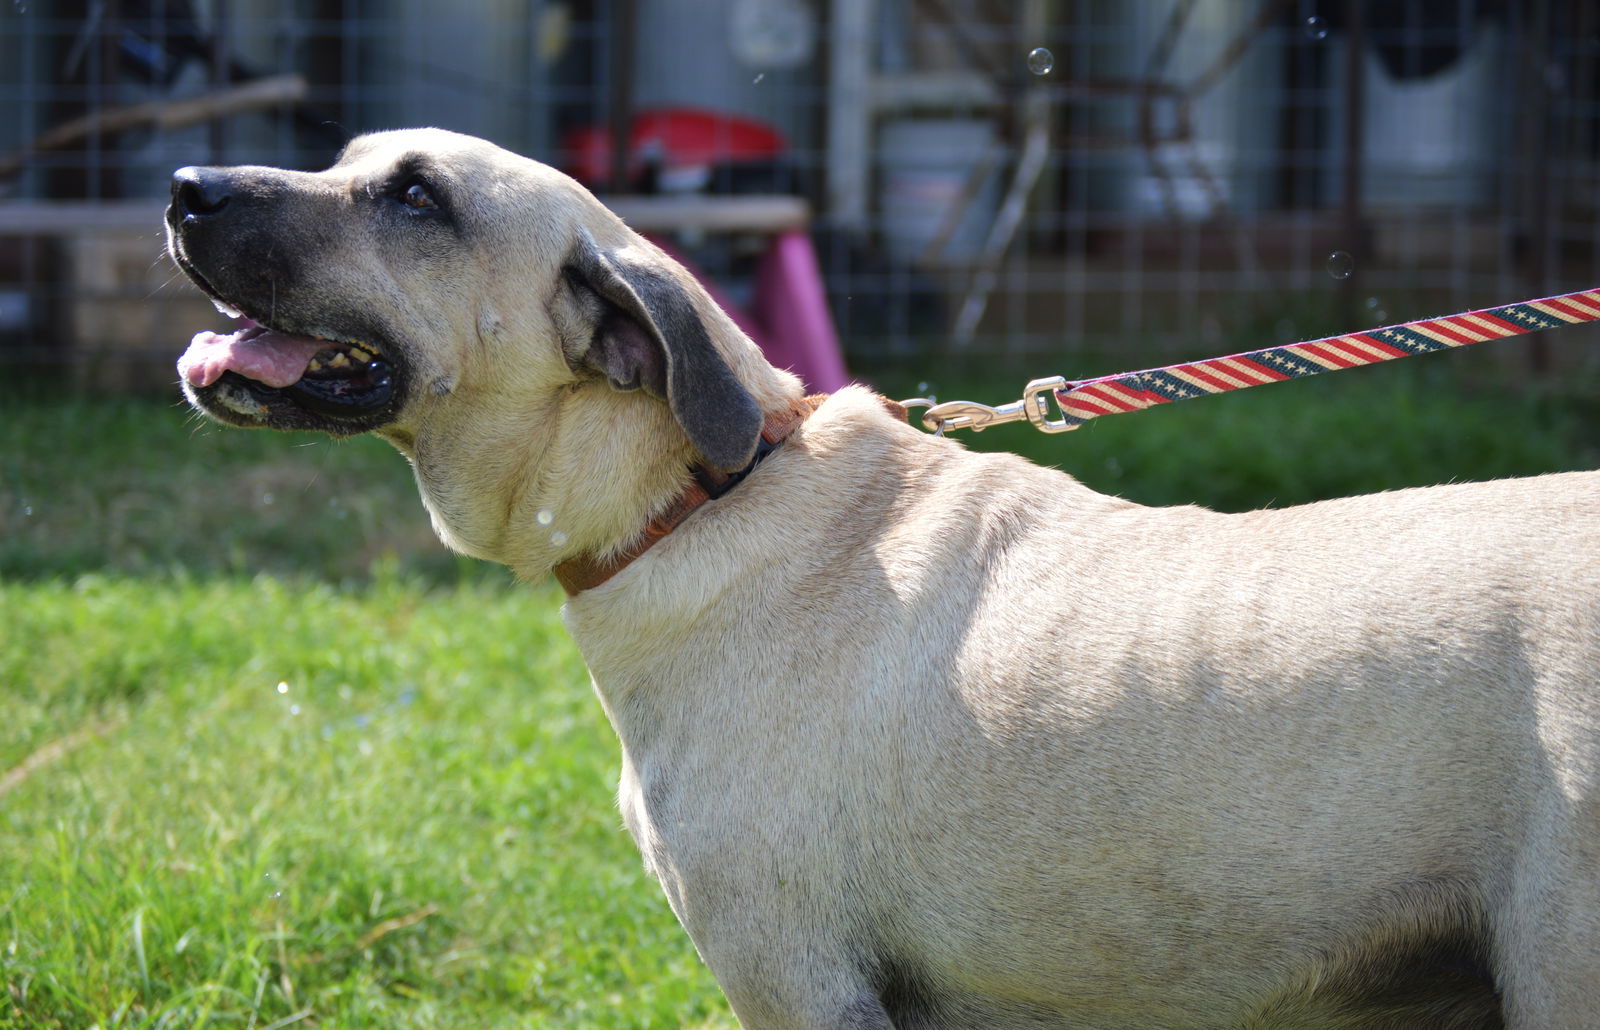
{"x":171,"y":280}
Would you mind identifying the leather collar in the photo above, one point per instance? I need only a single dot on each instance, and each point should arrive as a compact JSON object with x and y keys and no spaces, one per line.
{"x":587,"y":571}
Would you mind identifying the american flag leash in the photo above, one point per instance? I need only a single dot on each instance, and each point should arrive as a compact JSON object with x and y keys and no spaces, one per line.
{"x":1085,"y":399}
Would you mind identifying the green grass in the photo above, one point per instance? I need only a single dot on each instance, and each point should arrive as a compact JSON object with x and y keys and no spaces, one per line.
{"x":253,"y":801}
{"x":417,"y":829}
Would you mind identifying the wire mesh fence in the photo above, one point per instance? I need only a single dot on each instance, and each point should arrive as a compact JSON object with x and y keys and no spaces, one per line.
{"x":997,"y":179}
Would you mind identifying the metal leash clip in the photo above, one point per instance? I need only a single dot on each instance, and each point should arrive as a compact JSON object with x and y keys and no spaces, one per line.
{"x":1034,"y":406}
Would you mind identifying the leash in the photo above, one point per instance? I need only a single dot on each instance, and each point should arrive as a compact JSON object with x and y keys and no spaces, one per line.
{"x":1078,"y":402}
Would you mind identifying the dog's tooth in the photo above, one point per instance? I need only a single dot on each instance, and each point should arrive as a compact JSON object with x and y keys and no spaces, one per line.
{"x":339,"y":360}
{"x":315,"y":366}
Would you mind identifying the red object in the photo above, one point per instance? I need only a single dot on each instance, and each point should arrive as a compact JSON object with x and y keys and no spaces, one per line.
{"x":673,"y":137}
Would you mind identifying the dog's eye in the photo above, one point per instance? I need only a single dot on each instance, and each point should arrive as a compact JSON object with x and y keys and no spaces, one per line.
{"x":418,"y":197}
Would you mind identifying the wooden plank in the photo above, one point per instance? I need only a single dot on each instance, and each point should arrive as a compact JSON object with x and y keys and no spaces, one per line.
{"x":163,"y":115}
{"x":74,"y":218}
{"x":755,"y":213}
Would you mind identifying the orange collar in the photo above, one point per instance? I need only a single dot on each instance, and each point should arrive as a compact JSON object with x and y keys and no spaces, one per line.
{"x":587,"y":571}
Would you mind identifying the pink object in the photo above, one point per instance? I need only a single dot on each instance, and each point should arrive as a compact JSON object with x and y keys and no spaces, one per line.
{"x":276,"y":359}
{"x":788,"y":316}
{"x":792,"y":307}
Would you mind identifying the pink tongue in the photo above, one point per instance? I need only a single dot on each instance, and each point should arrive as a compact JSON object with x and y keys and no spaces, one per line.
{"x":275,"y":359}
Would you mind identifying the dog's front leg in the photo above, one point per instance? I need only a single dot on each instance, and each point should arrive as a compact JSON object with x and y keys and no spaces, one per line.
{"x":782,"y":956}
{"x":769,"y":921}
{"x":807,"y":994}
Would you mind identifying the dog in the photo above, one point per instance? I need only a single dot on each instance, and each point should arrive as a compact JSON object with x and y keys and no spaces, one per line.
{"x":919,"y":737}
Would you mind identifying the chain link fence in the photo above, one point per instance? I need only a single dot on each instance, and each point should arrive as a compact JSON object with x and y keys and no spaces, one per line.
{"x":1080,"y":182}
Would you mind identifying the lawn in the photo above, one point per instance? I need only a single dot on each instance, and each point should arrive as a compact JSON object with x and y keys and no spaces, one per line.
{"x":270,"y":757}
{"x":237,"y":802}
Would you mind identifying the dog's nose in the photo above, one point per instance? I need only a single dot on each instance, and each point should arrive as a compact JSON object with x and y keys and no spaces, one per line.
{"x":200,"y":192}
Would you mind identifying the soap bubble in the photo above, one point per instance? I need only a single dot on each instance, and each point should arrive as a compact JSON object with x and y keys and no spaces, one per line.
{"x":1316,"y":28}
{"x":1341,"y":265}
{"x":1041,"y":61}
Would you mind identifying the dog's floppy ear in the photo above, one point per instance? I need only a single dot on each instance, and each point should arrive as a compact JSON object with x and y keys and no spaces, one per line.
{"x":648,"y":335}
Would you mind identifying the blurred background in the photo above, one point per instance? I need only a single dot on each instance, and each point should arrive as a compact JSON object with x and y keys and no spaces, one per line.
{"x":271,"y":757}
{"x":1066,"y":183}
{"x":941,"y":197}
{"x":937,"y":197}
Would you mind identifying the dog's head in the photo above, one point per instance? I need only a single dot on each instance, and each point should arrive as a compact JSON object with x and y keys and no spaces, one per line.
{"x":427,"y":270}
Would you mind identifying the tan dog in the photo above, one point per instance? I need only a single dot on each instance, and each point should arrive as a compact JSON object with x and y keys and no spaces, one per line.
{"x":917,"y":737}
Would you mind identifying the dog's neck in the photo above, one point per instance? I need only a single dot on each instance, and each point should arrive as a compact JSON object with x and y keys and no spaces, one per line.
{"x":532,"y":483}
{"x":589,"y":570}
{"x":605,"y":464}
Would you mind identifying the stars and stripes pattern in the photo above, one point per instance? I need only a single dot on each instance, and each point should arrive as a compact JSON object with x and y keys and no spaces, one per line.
{"x":1134,"y":391}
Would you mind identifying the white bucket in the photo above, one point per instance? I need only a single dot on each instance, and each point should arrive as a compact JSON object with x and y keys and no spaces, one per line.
{"x":1430,"y":142}
{"x":924,"y":165}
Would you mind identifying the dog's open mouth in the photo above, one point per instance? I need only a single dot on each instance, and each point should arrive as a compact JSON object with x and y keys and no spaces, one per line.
{"x":334,"y":378}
